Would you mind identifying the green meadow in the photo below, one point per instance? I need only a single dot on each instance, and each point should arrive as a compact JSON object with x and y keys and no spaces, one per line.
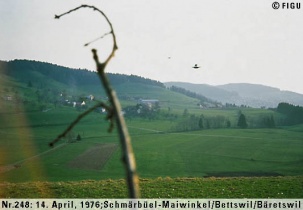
{"x":159,"y":151}
{"x":211,"y":163}
{"x":181,"y":149}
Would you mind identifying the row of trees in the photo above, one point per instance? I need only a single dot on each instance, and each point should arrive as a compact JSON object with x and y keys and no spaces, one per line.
{"x":188,"y":121}
{"x":263,"y":121}
{"x":192,"y":122}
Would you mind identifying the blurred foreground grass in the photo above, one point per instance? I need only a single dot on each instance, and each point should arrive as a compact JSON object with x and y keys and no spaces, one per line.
{"x":240,"y":187}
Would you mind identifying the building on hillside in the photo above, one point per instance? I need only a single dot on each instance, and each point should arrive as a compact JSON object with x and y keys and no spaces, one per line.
{"x":90,"y":97}
{"x":8,"y":98}
{"x":149,"y":102}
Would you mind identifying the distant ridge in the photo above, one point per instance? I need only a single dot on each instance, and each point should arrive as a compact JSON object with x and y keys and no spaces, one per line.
{"x":42,"y":82}
{"x":252,"y":95}
{"x":43,"y":74}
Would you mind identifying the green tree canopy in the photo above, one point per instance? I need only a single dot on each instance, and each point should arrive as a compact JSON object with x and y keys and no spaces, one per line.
{"x":242,"y":121}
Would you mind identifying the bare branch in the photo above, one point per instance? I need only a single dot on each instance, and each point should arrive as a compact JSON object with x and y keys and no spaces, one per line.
{"x":128,"y":155}
{"x":70,"y":11}
{"x":70,"y":127}
{"x":115,"y":47}
{"x":97,"y":39}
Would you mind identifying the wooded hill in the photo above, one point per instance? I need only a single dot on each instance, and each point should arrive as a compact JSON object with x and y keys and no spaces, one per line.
{"x":25,"y":71}
{"x":41,"y":83}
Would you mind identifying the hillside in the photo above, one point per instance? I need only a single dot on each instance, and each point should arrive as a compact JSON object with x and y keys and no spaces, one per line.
{"x":260,"y":95}
{"x":252,"y":95}
{"x":42,"y":74}
{"x":44,"y":82}
{"x":47,"y":77}
{"x":178,"y":146}
{"x":209,"y":91}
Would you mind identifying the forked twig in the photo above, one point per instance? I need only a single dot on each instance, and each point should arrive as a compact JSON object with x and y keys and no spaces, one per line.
{"x":127,"y":151}
{"x":115,"y":47}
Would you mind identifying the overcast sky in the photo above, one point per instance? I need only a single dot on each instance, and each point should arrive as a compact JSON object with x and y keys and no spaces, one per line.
{"x":234,"y":41}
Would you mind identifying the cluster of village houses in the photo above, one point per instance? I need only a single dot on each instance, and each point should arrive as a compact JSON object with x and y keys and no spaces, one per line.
{"x":149,"y":103}
{"x":78,"y":103}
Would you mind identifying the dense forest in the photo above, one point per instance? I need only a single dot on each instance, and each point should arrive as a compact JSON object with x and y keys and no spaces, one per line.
{"x":293,"y":114}
{"x":40,"y":85}
{"x":20,"y":69}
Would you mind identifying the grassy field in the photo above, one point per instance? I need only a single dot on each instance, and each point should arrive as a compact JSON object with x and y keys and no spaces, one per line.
{"x":159,"y":152}
{"x":257,"y":187}
{"x":165,"y":159}
{"x":208,"y":163}
{"x":220,"y":153}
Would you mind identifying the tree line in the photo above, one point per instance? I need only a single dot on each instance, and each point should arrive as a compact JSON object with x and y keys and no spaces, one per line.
{"x":190,"y":122}
{"x":292,"y":114}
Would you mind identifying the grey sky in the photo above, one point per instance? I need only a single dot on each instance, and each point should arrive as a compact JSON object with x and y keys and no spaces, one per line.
{"x":232,"y":40}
